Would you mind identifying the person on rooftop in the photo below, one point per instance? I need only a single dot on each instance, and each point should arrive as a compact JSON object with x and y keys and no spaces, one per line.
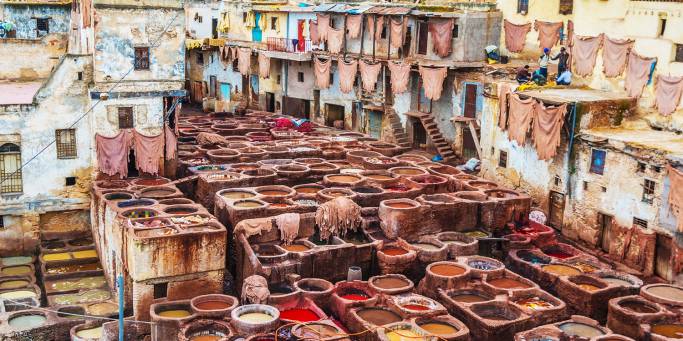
{"x":543,"y":62}
{"x":563,"y":57}
{"x":523,"y":74}
{"x":565,"y":78}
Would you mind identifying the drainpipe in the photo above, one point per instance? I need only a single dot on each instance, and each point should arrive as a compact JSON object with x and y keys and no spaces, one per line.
{"x":285,"y":68}
{"x":570,"y":148}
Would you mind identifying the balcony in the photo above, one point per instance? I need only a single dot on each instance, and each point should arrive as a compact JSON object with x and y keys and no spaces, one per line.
{"x":289,"y":45}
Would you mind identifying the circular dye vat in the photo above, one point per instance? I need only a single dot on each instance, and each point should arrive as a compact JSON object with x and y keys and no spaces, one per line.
{"x":390,"y":282}
{"x":616,"y":281}
{"x":415,"y":307}
{"x":588,"y":287}
{"x":585,"y":267}
{"x":90,"y":333}
{"x":316,"y":331}
{"x":476,"y":234}
{"x":438,"y":328}
{"x":212,"y":305}
{"x":14,"y":284}
{"x":534,"y":303}
{"x":248,"y":204}
{"x":378,"y":316}
{"x":426,"y":246}
{"x":557,"y":253}
{"x":208,"y":337}
{"x":508,"y":283}
{"x":404,"y":334}
{"x":394,"y":251}
{"x":175,"y":313}
{"x":561,"y":270}
{"x":447,"y":270}
{"x":469,"y":297}
{"x":299,"y":314}
{"x":103,"y":308}
{"x":296,"y":247}
{"x":273,"y":193}
{"x":400,"y":205}
{"x":354,"y":295}
{"x":638,"y":307}
{"x":367,"y":190}
{"x":308,"y":190}
{"x":667,"y":292}
{"x":674,"y":331}
{"x":580,"y":329}
{"x":256,"y":317}
{"x":17,"y":260}
{"x":407,"y":171}
{"x":379,"y":177}
{"x":27,"y":321}
{"x":16,"y":270}
{"x":483,"y":265}
{"x":237,"y":195}
{"x":343,"y":178}
{"x":18,"y":294}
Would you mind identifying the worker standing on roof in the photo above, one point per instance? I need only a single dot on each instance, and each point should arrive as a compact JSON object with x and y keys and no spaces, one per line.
{"x":543,"y":62}
{"x":563,"y":57}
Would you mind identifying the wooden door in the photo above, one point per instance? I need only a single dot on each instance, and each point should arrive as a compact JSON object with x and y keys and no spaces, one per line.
{"x":270,"y":102}
{"x":419,"y":134}
{"x":470,"y":109}
{"x":375,"y":124}
{"x":605,"y":226}
{"x":663,"y":254}
{"x":556,"y":210}
{"x":197,"y":95}
{"x":469,"y":148}
{"x":212,"y":86}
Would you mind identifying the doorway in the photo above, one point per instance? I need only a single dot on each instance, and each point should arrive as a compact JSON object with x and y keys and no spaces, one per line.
{"x":556,"y":210}
{"x":212,"y":86}
{"x":197,"y":95}
{"x":256,"y":33}
{"x":132,"y":168}
{"x":270,"y":102}
{"x":375,"y":124}
{"x":470,"y":109}
{"x":225,"y":91}
{"x":419,"y":134}
{"x":334,"y":113}
{"x":422,"y":37}
{"x":663,"y":254}
{"x":469,"y":147}
{"x":605,"y":228}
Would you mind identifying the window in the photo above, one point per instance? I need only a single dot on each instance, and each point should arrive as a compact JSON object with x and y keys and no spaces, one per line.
{"x":656,"y":169}
{"x":244,"y":17}
{"x":200,"y":58}
{"x":10,"y":169}
{"x":234,"y":66}
{"x":42,"y":26}
{"x":70,"y":181}
{"x":273,"y":23}
{"x":2,"y":222}
{"x":523,"y":6}
{"x":662,"y":26}
{"x":279,"y":79}
{"x":503,"y":159}
{"x":604,"y":189}
{"x":79,"y":76}
{"x":126,"y":118}
{"x":300,"y":77}
{"x":383,"y":34}
{"x":679,"y":53}
{"x":648,"y":191}
{"x":142,"y":58}
{"x":160,"y":290}
{"x":641,"y":167}
{"x":66,"y":143}
{"x":558,"y":181}
{"x":585,"y":185}
{"x":640,"y":222}
{"x":566,"y":6}
{"x":456,"y":30}
{"x":598,"y":161}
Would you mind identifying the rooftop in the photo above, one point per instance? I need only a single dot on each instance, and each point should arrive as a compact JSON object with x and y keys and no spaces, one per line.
{"x":18,"y":93}
{"x":665,"y":143}
{"x":570,"y":95}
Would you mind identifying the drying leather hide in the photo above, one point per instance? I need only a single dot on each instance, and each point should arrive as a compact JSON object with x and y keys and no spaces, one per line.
{"x":637,"y":74}
{"x":347,"y":75}
{"x":336,"y":217}
{"x":615,"y":55}
{"x":112,"y":153}
{"x":548,"y":33}
{"x":353,"y":25}
{"x":442,"y":36}
{"x":400,"y":73}
{"x":432,"y":81}
{"x":321,"y":69}
{"x":515,"y":36}
{"x":369,"y":74}
{"x":547,"y":125}
{"x":255,"y":290}
{"x":668,"y":93}
{"x":263,"y":66}
{"x":520,"y":114}
{"x":288,"y":224}
{"x":584,"y":53}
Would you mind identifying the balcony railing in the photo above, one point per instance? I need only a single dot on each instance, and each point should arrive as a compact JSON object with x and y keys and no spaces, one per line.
{"x":289,"y":45}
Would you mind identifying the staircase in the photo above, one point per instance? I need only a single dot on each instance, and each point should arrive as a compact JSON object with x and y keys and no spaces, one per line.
{"x":397,"y":128}
{"x":442,"y":146}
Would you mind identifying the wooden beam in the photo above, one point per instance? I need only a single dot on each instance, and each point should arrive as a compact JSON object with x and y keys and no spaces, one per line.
{"x":473,"y":132}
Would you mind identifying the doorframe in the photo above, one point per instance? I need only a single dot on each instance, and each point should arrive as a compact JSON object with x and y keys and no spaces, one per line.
{"x":550,"y":209}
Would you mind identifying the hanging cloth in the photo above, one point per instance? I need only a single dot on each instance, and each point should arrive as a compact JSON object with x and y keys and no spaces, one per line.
{"x":615,"y":55}
{"x":347,"y":74}
{"x":377,"y":33}
{"x":668,"y":93}
{"x":148,"y":150}
{"x":676,"y":195}
{"x":112,"y":153}
{"x":369,"y":74}
{"x":321,"y":69}
{"x":315,"y":36}
{"x":637,"y":74}
{"x":224,"y":23}
{"x":371,"y":25}
{"x":335,"y":40}
{"x":86,"y":9}
{"x":504,"y":89}
{"x":442,"y":36}
{"x":288,"y":224}
{"x":520,"y":113}
{"x":262,"y":22}
{"x":546,"y":127}
{"x":584,"y":53}
{"x":323,"y":26}
{"x":548,"y":33}
{"x":337,"y":217}
{"x":570,"y":33}
{"x":171,"y":142}
{"x":398,"y":31}
{"x":400,"y":72}
{"x":244,"y":60}
{"x":432,"y":81}
{"x":353,"y":25}
{"x":250,"y":20}
{"x":224,"y":56}
{"x":515,"y":36}
{"x":263,"y":65}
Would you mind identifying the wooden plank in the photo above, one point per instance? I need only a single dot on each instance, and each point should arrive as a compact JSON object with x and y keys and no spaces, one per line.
{"x":473,"y":131}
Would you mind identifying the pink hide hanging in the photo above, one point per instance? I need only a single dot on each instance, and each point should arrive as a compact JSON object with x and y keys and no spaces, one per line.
{"x":263,"y":65}
{"x":584,"y":53}
{"x":171,"y":141}
{"x":615,"y":55}
{"x":570,"y":33}
{"x":547,"y":125}
{"x":112,"y":153}
{"x":432,"y":81}
{"x":398,"y":31}
{"x":347,"y":75}
{"x":321,"y":69}
{"x":315,"y":37}
{"x":668,"y":90}
{"x":676,"y":195}
{"x":520,"y":113}
{"x":353,"y":23}
{"x":637,"y":74}
{"x":504,"y":89}
{"x":148,"y":150}
{"x":368,"y":74}
{"x":442,"y":36}
{"x":244,"y":60}
{"x":515,"y":36}
{"x":335,"y":40}
{"x":400,"y":73}
{"x":548,"y":33}
{"x":380,"y":26}
{"x":323,"y":26}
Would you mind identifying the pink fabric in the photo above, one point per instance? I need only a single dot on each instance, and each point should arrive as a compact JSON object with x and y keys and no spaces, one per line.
{"x":520,"y":113}
{"x":668,"y":93}
{"x":380,"y":25}
{"x":244,"y":60}
{"x":263,"y":66}
{"x":171,"y":142}
{"x":347,"y":75}
{"x":148,"y":150}
{"x":398,"y":31}
{"x":432,"y":81}
{"x":614,"y":56}
{"x":335,"y":40}
{"x":321,"y":69}
{"x":676,"y":195}
{"x":515,"y":36}
{"x":399,"y":76}
{"x":548,"y":33}
{"x":442,"y":36}
{"x":112,"y":153}
{"x":570,"y":33}
{"x":323,"y":25}
{"x":637,"y":74}
{"x":353,"y":25}
{"x":315,"y":37}
{"x":547,"y":125}
{"x":371,"y":25}
{"x":584,"y":53}
{"x":504,"y":90}
{"x":369,"y":74}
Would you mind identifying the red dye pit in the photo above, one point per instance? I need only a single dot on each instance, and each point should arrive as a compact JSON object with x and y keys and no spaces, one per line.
{"x":397,"y":188}
{"x":299,"y":314}
{"x":417,"y":307}
{"x":559,"y":254}
{"x":355,"y":297}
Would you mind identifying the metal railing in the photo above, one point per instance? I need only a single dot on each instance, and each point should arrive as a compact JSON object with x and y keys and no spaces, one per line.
{"x":289,"y":45}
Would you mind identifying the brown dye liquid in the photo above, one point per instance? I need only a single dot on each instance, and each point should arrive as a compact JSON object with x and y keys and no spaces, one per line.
{"x":16,"y":270}
{"x":616,"y":281}
{"x":534,"y":303}
{"x":437,"y":328}
{"x":378,"y":317}
{"x":674,"y":331}
{"x":379,"y":177}
{"x":390,"y":283}
{"x":206,"y":338}
{"x":561,"y":270}
{"x":394,"y":251}
{"x":157,"y":192}
{"x":507,"y":283}
{"x":580,"y":329}
{"x":13,"y":284}
{"x":213,"y":305}
{"x":248,"y":204}
{"x":400,"y":205}
{"x":469,"y":298}
{"x":238,"y":195}
{"x":584,"y":267}
{"x":336,"y":194}
{"x":343,"y":178}
{"x":588,"y":287}
{"x":638,"y":307}
{"x":447,"y":270}
{"x":296,"y":248}
{"x":425,"y":246}
{"x":408,"y":171}
{"x":668,"y":292}
{"x":308,"y":190}
{"x":73,"y":268}
{"x":273,"y":193}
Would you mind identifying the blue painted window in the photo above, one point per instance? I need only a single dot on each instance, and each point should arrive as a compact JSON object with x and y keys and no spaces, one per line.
{"x":598,"y":161}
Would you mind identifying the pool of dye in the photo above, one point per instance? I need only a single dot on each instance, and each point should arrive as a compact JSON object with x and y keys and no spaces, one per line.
{"x":299,"y":314}
{"x":390,"y":282}
{"x":378,"y":316}
{"x":580,"y":329}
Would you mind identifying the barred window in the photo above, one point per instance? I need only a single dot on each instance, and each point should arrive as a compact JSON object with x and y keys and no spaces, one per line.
{"x":523,"y":6}
{"x":503,"y":159}
{"x":66,"y":143}
{"x":42,"y":27}
{"x":648,"y":191}
{"x":142,"y":58}
{"x":10,"y":169}
{"x":640,"y":222}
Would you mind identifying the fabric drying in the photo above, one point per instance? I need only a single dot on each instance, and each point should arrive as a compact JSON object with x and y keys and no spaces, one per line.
{"x":288,"y":224}
{"x":263,"y":66}
{"x":353,"y":23}
{"x":112,"y":153}
{"x":370,"y":20}
{"x":347,"y":75}
{"x":442,"y":36}
{"x":504,"y":89}
{"x":637,"y":74}
{"x":570,"y":33}
{"x":337,"y":216}
{"x":335,"y":40}
{"x":244,"y":60}
{"x":321,"y":69}
{"x":323,"y":26}
{"x":148,"y":150}
{"x":668,"y":93}
{"x":400,"y":73}
{"x":520,"y":113}
{"x":255,"y":290}
{"x":676,"y":195}
{"x":315,"y":37}
{"x":432,"y":81}
{"x":205,"y":138}
{"x":548,"y":33}
{"x":515,"y":36}
{"x":253,"y":227}
{"x":398,"y":31}
{"x":546,"y":128}
{"x":171,"y":142}
{"x":380,"y":26}
{"x":369,"y":74}
{"x":584,"y":53}
{"x":615,"y":55}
